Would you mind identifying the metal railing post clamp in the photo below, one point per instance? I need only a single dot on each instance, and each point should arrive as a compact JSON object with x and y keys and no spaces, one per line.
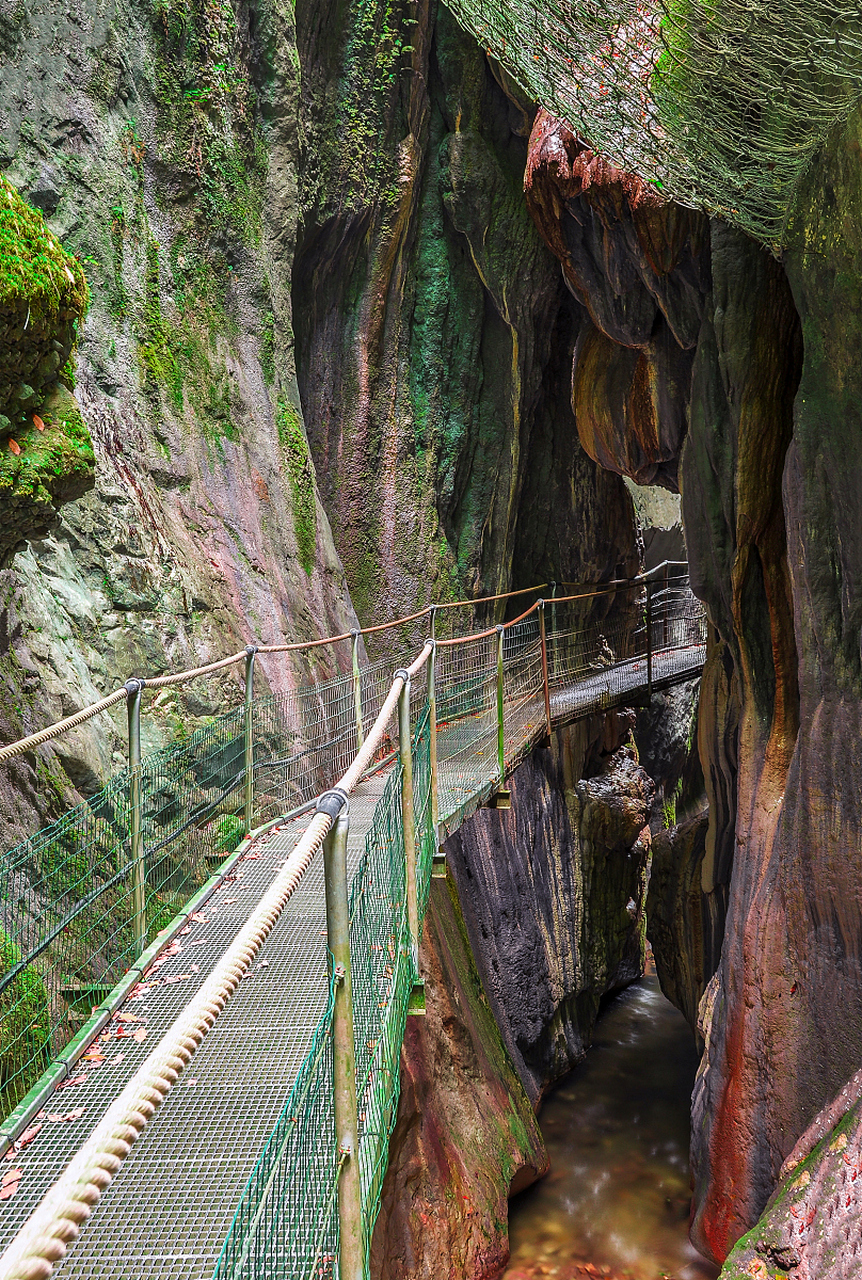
{"x":248,"y":823}
{"x":351,"y":1249}
{"x":134,"y":689}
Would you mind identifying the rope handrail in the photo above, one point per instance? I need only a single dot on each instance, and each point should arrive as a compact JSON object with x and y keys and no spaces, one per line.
{"x":47,"y":734}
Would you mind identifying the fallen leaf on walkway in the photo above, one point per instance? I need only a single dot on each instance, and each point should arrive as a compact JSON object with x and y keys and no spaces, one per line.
{"x":177,"y":977}
{"x":140,"y":1035}
{"x":93,"y":1056}
{"x":229,"y":902}
{"x":196,"y":968}
{"x":199,"y":916}
{"x":10,"y":1182}
{"x":191,"y":1082}
{"x":198,"y":942}
{"x":74,"y":1115}
{"x":186,"y":929}
{"x":115,"y":1062}
{"x":263,"y":964}
{"x":251,"y":857}
{"x":129,"y":1017}
{"x":67,"y":1084}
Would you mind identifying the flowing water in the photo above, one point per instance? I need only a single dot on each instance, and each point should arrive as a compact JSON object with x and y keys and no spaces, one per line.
{"x":616,"y":1201}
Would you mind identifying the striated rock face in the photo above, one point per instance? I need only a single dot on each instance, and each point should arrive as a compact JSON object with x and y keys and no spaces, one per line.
{"x":772,"y":555}
{"x":553,"y":894}
{"x":465,"y":1135}
{"x":434,"y":336}
{"x":811,"y":1226}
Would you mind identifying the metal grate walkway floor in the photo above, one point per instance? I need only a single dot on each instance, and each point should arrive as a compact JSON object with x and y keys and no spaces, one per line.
{"x":167,"y":1213}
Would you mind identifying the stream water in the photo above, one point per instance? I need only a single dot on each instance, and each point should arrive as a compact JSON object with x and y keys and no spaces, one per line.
{"x":616,"y":1201}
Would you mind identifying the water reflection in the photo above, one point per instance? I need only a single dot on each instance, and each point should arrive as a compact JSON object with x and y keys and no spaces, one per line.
{"x":616,"y":1200}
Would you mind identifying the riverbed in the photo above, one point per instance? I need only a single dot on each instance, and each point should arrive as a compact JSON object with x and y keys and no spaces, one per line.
{"x":616,"y":1202}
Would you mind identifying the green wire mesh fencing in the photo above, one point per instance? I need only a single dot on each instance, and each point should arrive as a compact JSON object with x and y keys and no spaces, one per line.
{"x":721,"y":105}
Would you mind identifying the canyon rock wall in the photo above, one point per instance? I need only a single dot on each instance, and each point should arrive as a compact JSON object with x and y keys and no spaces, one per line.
{"x":434,"y":335}
{"x":295,"y":233}
{"x":767,"y":467}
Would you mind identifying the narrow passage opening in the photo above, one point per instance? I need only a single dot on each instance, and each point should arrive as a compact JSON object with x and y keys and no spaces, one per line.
{"x":616,"y":1201}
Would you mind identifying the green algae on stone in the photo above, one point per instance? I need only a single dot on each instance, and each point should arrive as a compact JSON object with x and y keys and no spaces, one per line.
{"x":25,"y":1028}
{"x":299,"y":468}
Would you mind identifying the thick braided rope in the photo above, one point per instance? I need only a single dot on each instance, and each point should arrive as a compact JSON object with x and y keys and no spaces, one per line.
{"x":62,"y":726}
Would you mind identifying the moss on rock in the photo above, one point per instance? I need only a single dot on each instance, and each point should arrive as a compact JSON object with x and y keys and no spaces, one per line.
{"x":43,"y":299}
{"x":52,"y":466}
{"x":299,"y":468}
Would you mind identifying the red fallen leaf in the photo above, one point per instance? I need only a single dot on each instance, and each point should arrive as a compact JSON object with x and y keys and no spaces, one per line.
{"x":251,"y":857}
{"x":199,"y":942}
{"x":115,"y":1062}
{"x":140,"y":1035}
{"x":67,"y":1084}
{"x":199,"y":916}
{"x":229,"y":901}
{"x":177,"y":977}
{"x":191,"y":1081}
{"x":74,"y":1115}
{"x":54,"y":1117}
{"x":187,"y":929}
{"x":14,"y":447}
{"x":10,"y":1184}
{"x":28,"y":1136}
{"x":38,"y":423}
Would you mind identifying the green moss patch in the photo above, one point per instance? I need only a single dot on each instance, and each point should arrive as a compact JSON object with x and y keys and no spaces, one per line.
{"x":43,"y":299}
{"x":34,"y":267}
{"x":301,"y":476}
{"x":52,"y":467}
{"x":25,"y":1028}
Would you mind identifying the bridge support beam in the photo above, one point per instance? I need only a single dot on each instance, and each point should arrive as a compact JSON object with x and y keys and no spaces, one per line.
{"x":248,"y":822}
{"x":351,"y":1259}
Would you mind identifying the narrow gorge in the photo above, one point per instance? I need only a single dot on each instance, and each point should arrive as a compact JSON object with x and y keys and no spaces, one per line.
{"x":318,"y":316}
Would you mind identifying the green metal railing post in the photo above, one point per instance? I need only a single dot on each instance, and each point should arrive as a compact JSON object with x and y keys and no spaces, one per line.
{"x":134,"y":689}
{"x":545,"y":664}
{"x":501,"y":726}
{"x":432,"y":731}
{"x":357,"y":688}
{"x":248,"y":822}
{"x":351,"y":1257}
{"x":649,"y":637}
{"x":407,"y":821}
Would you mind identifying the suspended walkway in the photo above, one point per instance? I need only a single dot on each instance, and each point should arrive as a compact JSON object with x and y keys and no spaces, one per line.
{"x":218,"y":1101}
